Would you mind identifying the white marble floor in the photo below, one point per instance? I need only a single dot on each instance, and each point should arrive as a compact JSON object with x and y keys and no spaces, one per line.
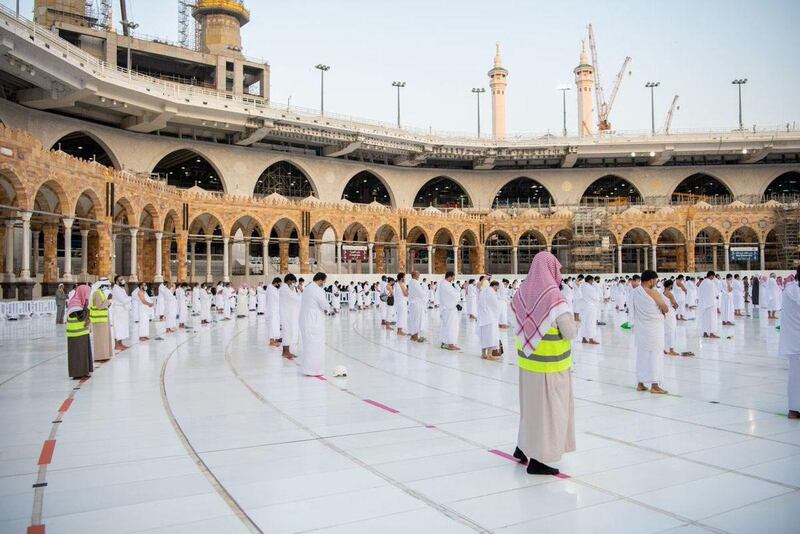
{"x":212,"y":431}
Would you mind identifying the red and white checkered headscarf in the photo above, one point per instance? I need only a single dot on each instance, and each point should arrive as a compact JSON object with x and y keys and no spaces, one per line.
{"x":538,"y":301}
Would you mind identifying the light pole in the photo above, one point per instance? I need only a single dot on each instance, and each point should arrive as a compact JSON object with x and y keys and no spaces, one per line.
{"x":127,"y":26}
{"x":322,"y":70}
{"x":740,"y":82}
{"x":564,"y":90}
{"x":478,"y":92}
{"x":398,"y":85}
{"x":652,"y":86}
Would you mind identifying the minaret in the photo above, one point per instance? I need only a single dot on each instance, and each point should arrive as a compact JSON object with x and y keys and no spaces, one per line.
{"x":498,"y":83}
{"x":584,"y":81}
{"x":220,"y":25}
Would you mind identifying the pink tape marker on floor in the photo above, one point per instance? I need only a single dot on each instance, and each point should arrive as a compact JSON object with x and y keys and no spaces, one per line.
{"x":381,"y":406}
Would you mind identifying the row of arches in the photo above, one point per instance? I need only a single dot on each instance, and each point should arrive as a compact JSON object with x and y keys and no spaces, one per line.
{"x":186,"y":169}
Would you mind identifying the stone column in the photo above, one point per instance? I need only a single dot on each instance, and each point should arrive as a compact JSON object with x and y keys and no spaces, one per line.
{"x":646,"y":258}
{"x":84,"y":251}
{"x":371,"y":264}
{"x":690,"y":265}
{"x":727,"y":249}
{"x":247,"y":257}
{"x":714,"y":257}
{"x":619,"y":259}
{"x":455,"y":259}
{"x":655,"y":264}
{"x":159,"y":276}
{"x":209,"y":276}
{"x":191,"y":248}
{"x":10,"y":249}
{"x":402,"y":255}
{"x":265,"y":254}
{"x":225,"y":262}
{"x":305,"y":266}
{"x":35,"y":253}
{"x":133,"y":276}
{"x":183,"y":243}
{"x":50,"y":268}
{"x":380,"y":259}
{"x":339,"y":257}
{"x":25,"y":270}
{"x":481,"y":255}
{"x":283,"y":256}
{"x":105,"y":248}
{"x":514,"y":260}
{"x":430,"y":259}
{"x":762,"y":257}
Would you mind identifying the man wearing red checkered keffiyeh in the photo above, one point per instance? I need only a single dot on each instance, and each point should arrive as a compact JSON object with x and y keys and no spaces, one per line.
{"x":547,"y":413}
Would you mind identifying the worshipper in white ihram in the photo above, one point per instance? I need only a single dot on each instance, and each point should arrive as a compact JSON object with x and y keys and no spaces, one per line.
{"x":273,"y":313}
{"x":488,"y":320}
{"x":591,"y":298}
{"x":738,"y":296}
{"x":401,"y":304}
{"x":182,"y":297}
{"x":449,"y":296}
{"x":680,"y":293}
{"x":120,"y":313}
{"x":145,"y":305}
{"x":671,"y":320}
{"x":545,"y":326}
{"x":774,"y":302}
{"x":502,"y":301}
{"x":649,"y":310}
{"x":417,"y":295}
{"x":261,"y":299}
{"x":289,"y":304}
{"x":726,"y":301}
{"x":708,"y":300}
{"x":789,"y":341}
{"x":205,"y":304}
{"x":241,"y":301}
{"x":170,"y":304}
{"x":313,"y":310}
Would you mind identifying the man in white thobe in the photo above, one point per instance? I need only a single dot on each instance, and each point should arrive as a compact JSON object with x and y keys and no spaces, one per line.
{"x":289,"y":299}
{"x":313,"y":310}
{"x":726,"y":301}
{"x":503,"y":299}
{"x":774,"y":291}
{"x":273,"y":312}
{"x":488,"y":317}
{"x":261,"y":299}
{"x":591,"y":298}
{"x":707,"y":306}
{"x":170,"y":305}
{"x":449,"y":296}
{"x":120,"y":313}
{"x":738,"y":296}
{"x":577,"y":297}
{"x":182,"y":299}
{"x":649,"y":309}
{"x":417,"y":295}
{"x":789,"y":342}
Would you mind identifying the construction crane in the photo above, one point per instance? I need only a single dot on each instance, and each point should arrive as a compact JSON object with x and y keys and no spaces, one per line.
{"x":674,"y":106}
{"x":603,"y":106}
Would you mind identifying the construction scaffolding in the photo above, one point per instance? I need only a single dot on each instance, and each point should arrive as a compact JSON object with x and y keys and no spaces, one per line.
{"x":590,"y":249}
{"x":787,"y":231}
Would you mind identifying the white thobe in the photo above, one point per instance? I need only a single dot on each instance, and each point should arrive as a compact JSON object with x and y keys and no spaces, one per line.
{"x":196,"y":305}
{"x":738,"y":295}
{"x":774,"y":291}
{"x":261,"y":297}
{"x":502,"y":303}
{"x":273,"y":312}
{"x":648,"y":337}
{"x":351,"y":298}
{"x":488,"y":316}
{"x":159,"y":309}
{"x":707,"y":307}
{"x":691,"y":298}
{"x":448,"y":299}
{"x":577,"y":298}
{"x":241,"y":302}
{"x":680,"y":298}
{"x":183,"y":306}
{"x":144,"y":315}
{"x":569,"y":294}
{"x":416,"y":306}
{"x":227,"y":298}
{"x":472,"y":299}
{"x":590,"y":296}
{"x":205,"y":305}
{"x":251,"y":300}
{"x":120,"y":313}
{"x":400,"y":307}
{"x":219,"y":299}
{"x":726,"y":302}
{"x":170,"y":304}
{"x":135,"y":304}
{"x":670,"y":326}
{"x":289,"y":305}
{"x":313,"y":309}
{"x":619,"y":297}
{"x":789,"y":341}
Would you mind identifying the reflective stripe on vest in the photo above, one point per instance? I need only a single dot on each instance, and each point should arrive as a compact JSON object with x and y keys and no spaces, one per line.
{"x":97,"y":315}
{"x":552,"y":354}
{"x":76,"y":327}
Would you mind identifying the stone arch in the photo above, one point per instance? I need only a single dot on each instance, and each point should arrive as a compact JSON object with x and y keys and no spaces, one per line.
{"x":322,"y":246}
{"x":171,"y":222}
{"x":386,"y":233}
{"x":772,"y":252}
{"x":205,"y":224}
{"x":189,"y":167}
{"x":87,"y":146}
{"x":636,"y":246}
{"x":248,"y":224}
{"x":671,"y":250}
{"x":744,"y":236}
{"x":150,"y":217}
{"x":50,"y":197}
{"x":522,"y":192}
{"x":416,"y":233}
{"x":417,"y":242}
{"x":286,"y":178}
{"x":561,"y":247}
{"x":87,"y":205}
{"x":468,"y":252}
{"x":701,"y":186}
{"x":368,"y":186}
{"x":499,"y":252}
{"x":442,"y":191}
{"x":530,"y":243}
{"x":385,"y":250}
{"x":284,"y":244}
{"x":611,"y":188}
{"x":355,"y":232}
{"x":12,"y":191}
{"x":708,"y":249}
{"x":785,"y":187}
{"x":443,"y":251}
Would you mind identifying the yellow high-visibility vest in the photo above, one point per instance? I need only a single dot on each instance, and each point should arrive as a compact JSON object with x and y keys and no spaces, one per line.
{"x":98,"y":315}
{"x":552,"y":355}
{"x":76,"y":327}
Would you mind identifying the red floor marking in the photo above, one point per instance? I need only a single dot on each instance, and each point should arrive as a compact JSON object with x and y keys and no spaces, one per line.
{"x":320,"y":378}
{"x":47,"y":452}
{"x":36,"y":529}
{"x":83,"y":380}
{"x":65,"y":405}
{"x":381,"y":406}
{"x":505,"y":455}
{"x":562,"y":475}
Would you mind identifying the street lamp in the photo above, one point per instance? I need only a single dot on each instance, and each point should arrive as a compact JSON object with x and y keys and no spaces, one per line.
{"x":478,"y":92}
{"x":740,"y":82}
{"x":322,"y":70}
{"x":398,"y":85}
{"x":652,"y":86}
{"x":564,"y":90}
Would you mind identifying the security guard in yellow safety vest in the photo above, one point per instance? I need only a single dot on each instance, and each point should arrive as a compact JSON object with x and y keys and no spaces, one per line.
{"x":79,"y":347}
{"x":99,"y":305}
{"x":553,"y":354}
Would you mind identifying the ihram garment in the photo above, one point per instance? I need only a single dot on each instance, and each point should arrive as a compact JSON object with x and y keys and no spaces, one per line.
{"x":416,"y":306}
{"x":313,"y":310}
{"x":401,"y":307}
{"x":170,"y":303}
{"x":726,"y":302}
{"x":273,"y":312}
{"x":590,"y":296}
{"x":648,"y":337}
{"x":120,"y":313}
{"x":290,"y":316}
{"x":448,"y":298}
{"x":502,"y":303}
{"x":707,"y":307}
{"x":789,"y":341}
{"x":488,"y":316}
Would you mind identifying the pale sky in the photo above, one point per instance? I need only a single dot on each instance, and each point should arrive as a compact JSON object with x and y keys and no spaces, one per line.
{"x":443,"y":48}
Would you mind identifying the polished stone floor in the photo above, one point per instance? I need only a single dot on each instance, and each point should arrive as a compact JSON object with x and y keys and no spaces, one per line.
{"x":212,"y":431}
